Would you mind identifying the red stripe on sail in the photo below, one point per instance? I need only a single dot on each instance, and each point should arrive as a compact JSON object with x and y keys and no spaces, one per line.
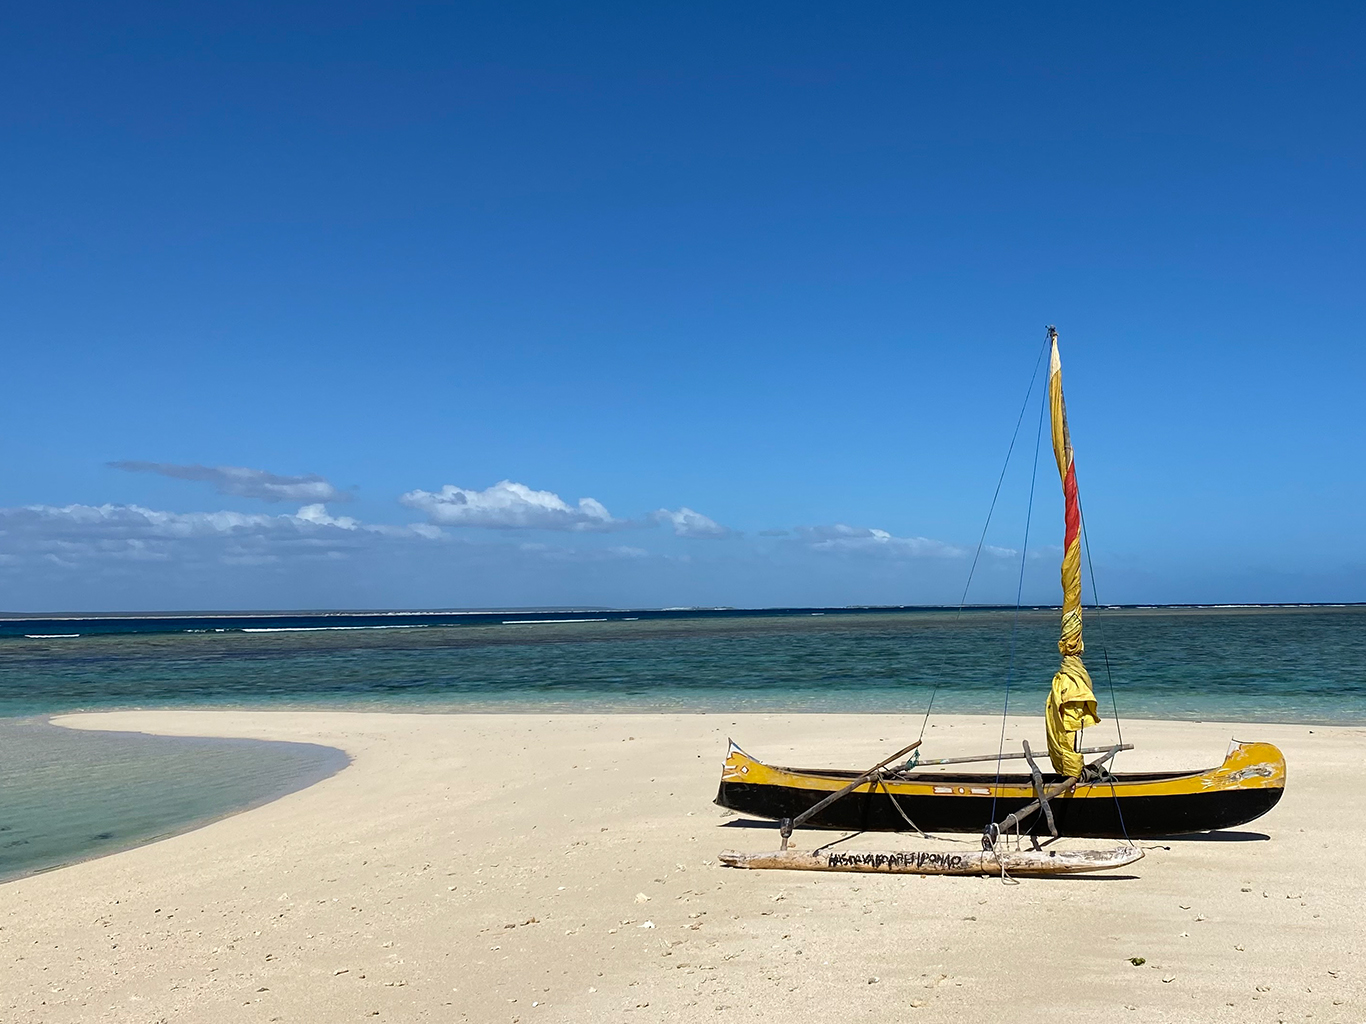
{"x":1071,"y":507}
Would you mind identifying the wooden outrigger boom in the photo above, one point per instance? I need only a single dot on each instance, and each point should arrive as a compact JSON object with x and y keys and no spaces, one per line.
{"x":977,"y":758}
{"x":1041,"y":797}
{"x":789,"y":824}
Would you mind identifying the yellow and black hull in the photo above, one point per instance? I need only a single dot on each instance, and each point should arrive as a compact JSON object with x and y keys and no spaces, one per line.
{"x":1246,"y":786}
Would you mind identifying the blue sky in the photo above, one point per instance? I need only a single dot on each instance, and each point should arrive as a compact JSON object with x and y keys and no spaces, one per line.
{"x":763,"y":283}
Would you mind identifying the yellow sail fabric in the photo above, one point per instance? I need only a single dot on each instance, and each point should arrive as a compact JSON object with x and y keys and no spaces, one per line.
{"x":1071,"y":704}
{"x":1071,"y":707}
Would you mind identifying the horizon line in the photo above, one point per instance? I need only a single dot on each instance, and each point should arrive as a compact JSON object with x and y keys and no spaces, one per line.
{"x":674,"y":610}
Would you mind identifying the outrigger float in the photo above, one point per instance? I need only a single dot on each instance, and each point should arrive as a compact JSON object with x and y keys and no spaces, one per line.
{"x":1077,"y":799}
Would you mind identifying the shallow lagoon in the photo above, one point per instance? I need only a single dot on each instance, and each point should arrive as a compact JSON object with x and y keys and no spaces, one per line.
{"x":68,"y":794}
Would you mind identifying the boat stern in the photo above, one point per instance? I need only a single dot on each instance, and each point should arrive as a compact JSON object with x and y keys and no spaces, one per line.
{"x":1248,"y":766}
{"x":750,"y":786}
{"x":737,"y":767}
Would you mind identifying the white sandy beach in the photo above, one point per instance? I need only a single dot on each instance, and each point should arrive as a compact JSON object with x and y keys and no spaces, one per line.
{"x":523,"y":868}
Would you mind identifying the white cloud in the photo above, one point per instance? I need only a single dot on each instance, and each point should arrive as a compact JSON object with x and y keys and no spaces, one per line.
{"x":841,"y":537}
{"x":511,"y":506}
{"x":243,"y":482}
{"x":319,"y":516}
{"x":687,"y":523}
{"x":73,"y":535}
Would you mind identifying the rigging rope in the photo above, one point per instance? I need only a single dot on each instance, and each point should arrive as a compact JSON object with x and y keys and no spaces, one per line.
{"x":1015,"y":624}
{"x":882,"y":781}
{"x":1095,"y":607}
{"x":1105,"y":656}
{"x":962,"y":602}
{"x":1024,"y":407}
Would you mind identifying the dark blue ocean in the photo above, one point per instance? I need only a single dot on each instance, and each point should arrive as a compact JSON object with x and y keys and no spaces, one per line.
{"x":64,"y":795}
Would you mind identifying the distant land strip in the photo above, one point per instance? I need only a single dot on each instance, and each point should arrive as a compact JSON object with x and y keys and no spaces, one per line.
{"x":72,"y":625}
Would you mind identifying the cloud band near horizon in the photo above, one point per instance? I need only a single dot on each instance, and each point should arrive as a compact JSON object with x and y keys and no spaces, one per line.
{"x":242,"y":482}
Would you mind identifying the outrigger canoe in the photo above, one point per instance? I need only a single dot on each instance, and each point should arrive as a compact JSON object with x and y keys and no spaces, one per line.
{"x":1080,"y":799}
{"x":1140,"y":805}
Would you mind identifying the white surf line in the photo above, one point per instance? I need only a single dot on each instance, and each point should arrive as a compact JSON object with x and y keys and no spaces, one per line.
{"x":319,"y":629}
{"x":537,"y":622}
{"x":49,"y":636}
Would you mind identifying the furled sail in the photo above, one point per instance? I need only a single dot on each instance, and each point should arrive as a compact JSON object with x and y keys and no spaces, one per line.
{"x":1071,"y":703}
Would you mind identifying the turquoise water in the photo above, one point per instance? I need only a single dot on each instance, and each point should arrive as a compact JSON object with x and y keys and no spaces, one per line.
{"x":67,"y":794}
{"x":1294,"y":664}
